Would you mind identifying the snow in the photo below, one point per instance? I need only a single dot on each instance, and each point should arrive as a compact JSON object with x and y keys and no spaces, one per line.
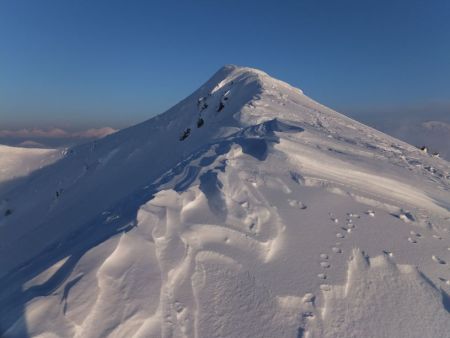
{"x":17,"y":162}
{"x":278,"y":217}
{"x":369,"y":286}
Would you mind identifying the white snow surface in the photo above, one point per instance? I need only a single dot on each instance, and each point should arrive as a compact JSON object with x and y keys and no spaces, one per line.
{"x":17,"y":162}
{"x":276,"y":217}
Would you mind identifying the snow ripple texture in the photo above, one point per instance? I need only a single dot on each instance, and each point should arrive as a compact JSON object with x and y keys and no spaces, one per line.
{"x":246,"y":210}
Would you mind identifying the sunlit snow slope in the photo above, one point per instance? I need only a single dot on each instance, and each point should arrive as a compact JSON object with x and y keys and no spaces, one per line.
{"x":17,"y":162}
{"x":246,"y":210}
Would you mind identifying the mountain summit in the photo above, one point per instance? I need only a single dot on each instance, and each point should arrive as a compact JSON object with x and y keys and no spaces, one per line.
{"x":246,"y":210}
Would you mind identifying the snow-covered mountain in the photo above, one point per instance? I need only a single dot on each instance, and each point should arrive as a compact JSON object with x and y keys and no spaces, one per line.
{"x":246,"y":210}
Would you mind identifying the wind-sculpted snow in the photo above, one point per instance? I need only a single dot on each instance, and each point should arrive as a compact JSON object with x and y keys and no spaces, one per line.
{"x":233,"y":214}
{"x":382,"y":297}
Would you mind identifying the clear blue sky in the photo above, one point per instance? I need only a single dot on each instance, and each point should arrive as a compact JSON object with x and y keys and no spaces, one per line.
{"x":87,"y":62}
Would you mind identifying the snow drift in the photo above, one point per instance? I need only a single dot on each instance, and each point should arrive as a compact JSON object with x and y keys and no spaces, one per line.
{"x":233,"y":214}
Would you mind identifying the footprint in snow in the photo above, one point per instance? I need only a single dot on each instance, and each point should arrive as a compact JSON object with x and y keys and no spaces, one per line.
{"x":388,"y":253}
{"x":405,"y":218}
{"x":297,"y":204}
{"x":337,"y":250}
{"x":437,"y":237}
{"x":412,"y":240}
{"x":322,"y":276}
{"x":371,"y":213}
{"x":309,"y":298}
{"x":416,"y":234}
{"x":323,"y":256}
{"x":325,"y":265}
{"x":340,"y":235}
{"x":347,"y":229}
{"x":335,"y":220}
{"x":438,"y":260}
{"x":308,"y":315}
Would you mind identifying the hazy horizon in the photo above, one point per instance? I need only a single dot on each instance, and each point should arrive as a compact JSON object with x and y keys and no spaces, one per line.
{"x":82,"y":65}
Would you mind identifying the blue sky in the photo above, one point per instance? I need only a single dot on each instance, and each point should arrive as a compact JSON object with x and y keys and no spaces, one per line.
{"x":92,"y":63}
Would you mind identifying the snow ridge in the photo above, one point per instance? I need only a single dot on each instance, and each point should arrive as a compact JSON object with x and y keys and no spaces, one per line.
{"x":233,"y":214}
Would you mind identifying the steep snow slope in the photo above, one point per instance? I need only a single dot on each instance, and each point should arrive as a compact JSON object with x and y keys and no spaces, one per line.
{"x":246,"y":210}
